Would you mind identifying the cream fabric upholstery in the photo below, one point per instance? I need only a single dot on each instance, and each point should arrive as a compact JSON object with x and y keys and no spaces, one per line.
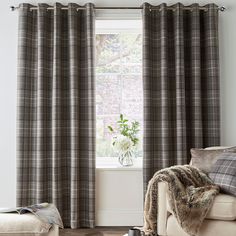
{"x":54,"y":231}
{"x":216,"y":148}
{"x":25,"y":225}
{"x":209,"y":228}
{"x":224,"y":207}
{"x":162,"y":208}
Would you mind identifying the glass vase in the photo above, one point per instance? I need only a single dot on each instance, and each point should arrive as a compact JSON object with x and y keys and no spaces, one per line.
{"x":126,"y":158}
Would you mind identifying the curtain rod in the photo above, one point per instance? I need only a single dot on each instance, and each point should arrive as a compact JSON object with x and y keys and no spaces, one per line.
{"x":221,"y":8}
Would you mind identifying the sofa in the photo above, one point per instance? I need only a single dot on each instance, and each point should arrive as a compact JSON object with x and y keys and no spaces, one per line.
{"x":220,"y":220}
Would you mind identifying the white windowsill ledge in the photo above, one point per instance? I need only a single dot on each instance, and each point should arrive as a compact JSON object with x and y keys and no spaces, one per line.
{"x":112,"y":163}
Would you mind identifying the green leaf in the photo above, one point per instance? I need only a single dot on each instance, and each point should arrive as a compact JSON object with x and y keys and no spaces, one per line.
{"x":121,"y":117}
{"x":110,"y":128}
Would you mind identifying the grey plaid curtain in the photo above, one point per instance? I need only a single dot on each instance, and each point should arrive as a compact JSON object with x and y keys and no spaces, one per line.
{"x":181,"y":84}
{"x":56,"y":118}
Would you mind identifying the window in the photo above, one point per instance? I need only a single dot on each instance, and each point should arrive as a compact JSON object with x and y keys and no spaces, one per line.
{"x":118,"y":83}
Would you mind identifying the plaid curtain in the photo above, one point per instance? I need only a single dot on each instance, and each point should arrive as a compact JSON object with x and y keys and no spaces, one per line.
{"x":181,"y":84}
{"x":56,"y":112}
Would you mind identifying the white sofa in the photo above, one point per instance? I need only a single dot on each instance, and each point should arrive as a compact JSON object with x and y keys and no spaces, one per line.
{"x":220,"y":221}
{"x":13,"y":224}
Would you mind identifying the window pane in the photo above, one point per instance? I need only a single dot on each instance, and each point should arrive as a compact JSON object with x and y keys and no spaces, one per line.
{"x":118,"y":86}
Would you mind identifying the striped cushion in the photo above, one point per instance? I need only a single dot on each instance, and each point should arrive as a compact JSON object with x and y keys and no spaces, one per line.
{"x":223,"y":173}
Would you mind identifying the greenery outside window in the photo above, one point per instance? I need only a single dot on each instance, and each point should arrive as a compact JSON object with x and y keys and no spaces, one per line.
{"x":119,"y":86}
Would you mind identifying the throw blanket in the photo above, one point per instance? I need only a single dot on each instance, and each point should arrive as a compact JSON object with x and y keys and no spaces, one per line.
{"x":46,"y":212}
{"x":191,"y":195}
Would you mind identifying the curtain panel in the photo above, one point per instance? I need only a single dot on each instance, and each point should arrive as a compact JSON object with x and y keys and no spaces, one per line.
{"x":56,"y":112}
{"x":181,"y":84}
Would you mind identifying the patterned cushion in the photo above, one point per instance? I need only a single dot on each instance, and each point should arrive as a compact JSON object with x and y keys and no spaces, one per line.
{"x":223,"y":173}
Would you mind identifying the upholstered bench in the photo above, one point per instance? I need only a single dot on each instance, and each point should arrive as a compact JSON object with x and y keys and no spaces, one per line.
{"x":13,"y":224}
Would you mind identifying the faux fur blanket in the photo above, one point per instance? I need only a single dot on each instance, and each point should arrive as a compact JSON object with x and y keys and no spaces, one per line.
{"x":191,"y":194}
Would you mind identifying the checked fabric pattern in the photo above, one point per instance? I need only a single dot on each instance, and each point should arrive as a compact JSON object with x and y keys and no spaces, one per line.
{"x":56,"y":111}
{"x":223,"y":173}
{"x":181,"y":83}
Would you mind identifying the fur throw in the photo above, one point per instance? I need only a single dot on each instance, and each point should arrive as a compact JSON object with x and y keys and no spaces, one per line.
{"x":191,"y":194}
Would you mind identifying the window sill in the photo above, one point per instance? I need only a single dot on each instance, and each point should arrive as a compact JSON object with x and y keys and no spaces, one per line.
{"x":112,"y":163}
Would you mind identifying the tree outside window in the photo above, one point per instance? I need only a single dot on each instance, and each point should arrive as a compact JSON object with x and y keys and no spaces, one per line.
{"x":119,"y":88}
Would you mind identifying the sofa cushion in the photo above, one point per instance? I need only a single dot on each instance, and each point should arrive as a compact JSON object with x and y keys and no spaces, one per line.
{"x":204,"y":159}
{"x":208,"y":228}
{"x":223,"y":208}
{"x":223,"y":173}
{"x":26,"y":224}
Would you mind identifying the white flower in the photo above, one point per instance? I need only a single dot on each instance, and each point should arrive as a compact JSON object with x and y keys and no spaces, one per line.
{"x":123,"y":144}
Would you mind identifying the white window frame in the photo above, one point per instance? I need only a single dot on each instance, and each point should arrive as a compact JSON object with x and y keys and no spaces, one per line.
{"x":116,"y":27}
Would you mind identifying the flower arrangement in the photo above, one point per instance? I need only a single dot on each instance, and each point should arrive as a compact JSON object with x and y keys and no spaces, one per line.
{"x":125,"y":139}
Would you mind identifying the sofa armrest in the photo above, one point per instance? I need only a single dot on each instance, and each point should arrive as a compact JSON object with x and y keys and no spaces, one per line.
{"x":162,"y":209}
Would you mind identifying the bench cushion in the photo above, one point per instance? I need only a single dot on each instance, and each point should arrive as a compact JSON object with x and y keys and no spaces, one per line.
{"x":26,"y":224}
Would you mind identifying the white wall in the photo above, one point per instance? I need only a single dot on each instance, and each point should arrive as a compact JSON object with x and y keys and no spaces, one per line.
{"x":119,"y":196}
{"x":8,"y":49}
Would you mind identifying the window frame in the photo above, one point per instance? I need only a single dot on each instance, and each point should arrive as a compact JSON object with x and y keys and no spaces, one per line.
{"x":117,"y":27}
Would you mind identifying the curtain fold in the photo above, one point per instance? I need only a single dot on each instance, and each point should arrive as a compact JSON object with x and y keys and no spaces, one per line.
{"x":181,"y":83}
{"x":56,"y":111}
